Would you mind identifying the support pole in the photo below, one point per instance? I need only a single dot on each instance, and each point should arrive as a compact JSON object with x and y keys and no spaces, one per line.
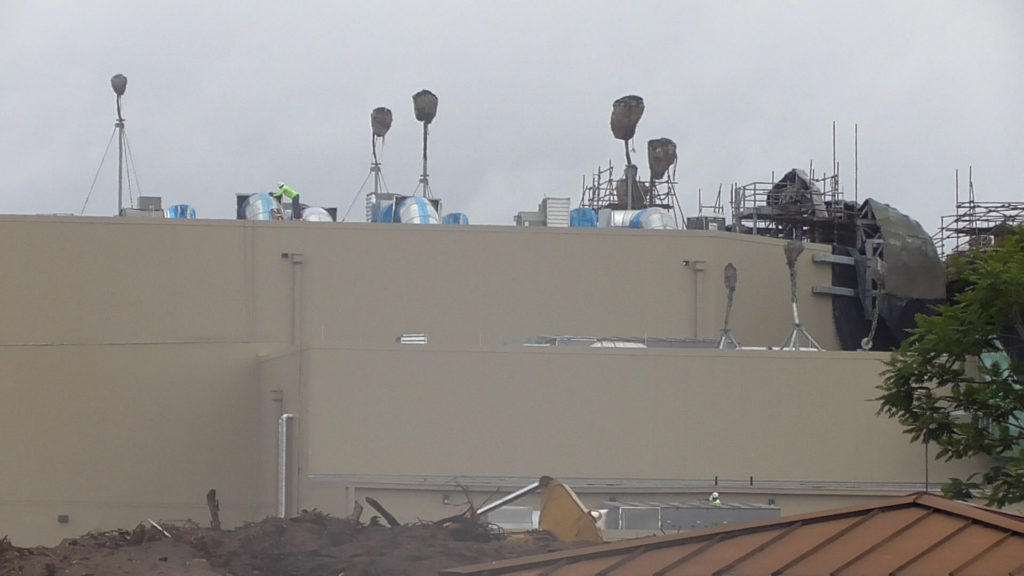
{"x":282,"y":464}
{"x":727,"y":340}
{"x":375,"y":168}
{"x":120,"y":157}
{"x":793,"y":249}
{"x":424,"y":178}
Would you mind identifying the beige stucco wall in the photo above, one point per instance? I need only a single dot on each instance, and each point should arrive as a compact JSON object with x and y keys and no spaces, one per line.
{"x":680,"y":415}
{"x":112,"y":435}
{"x":140,"y":361}
{"x":103,"y":280}
{"x":570,"y":412}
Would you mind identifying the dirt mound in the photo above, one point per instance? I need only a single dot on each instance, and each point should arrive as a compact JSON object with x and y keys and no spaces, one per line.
{"x":311,"y":544}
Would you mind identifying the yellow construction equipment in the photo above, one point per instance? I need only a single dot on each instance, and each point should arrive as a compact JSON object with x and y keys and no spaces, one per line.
{"x":564,"y":516}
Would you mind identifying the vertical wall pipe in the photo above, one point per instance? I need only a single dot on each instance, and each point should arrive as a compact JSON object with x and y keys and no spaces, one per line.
{"x":282,"y":464}
{"x":296,"y":259}
{"x":698,"y":279}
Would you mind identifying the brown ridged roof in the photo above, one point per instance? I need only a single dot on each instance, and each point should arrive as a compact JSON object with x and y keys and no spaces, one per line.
{"x":919,"y":534}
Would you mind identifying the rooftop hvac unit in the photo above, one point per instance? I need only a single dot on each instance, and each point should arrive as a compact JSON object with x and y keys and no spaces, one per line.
{"x":551,"y":212}
{"x":150,"y":203}
{"x":683,"y":516}
{"x":525,"y":218}
{"x":317,"y":214}
{"x":260,"y":206}
{"x":138,"y":213}
{"x":417,"y":210}
{"x":705,"y":223}
{"x":639,"y":518}
{"x":653,"y":219}
{"x":556,"y":212}
{"x":391,"y":208}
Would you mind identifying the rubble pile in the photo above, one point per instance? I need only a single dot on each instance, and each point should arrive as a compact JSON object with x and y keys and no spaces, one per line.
{"x":310,"y":544}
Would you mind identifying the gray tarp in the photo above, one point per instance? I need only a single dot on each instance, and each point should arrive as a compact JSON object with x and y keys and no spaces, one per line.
{"x":795,"y":194}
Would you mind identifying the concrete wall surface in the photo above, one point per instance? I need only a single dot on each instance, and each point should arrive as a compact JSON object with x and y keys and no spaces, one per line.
{"x":108,"y":280}
{"x":112,"y":435}
{"x":145,"y":362}
{"x":659,"y":423}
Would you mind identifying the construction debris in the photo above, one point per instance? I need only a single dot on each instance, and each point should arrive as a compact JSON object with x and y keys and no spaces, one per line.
{"x":312,"y":543}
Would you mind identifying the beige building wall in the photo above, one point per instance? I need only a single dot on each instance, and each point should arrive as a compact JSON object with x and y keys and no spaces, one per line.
{"x":798,"y":423}
{"x":104,"y":280}
{"x":112,"y":435}
{"x":145,"y":362}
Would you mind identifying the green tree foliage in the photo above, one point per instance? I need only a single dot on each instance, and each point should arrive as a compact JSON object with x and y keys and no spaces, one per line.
{"x":956,"y":382}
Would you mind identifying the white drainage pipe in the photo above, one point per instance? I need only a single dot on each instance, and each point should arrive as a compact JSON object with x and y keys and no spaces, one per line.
{"x":282,"y":463}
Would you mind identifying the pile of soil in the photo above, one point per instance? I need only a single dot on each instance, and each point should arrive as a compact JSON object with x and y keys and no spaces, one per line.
{"x":311,"y":544}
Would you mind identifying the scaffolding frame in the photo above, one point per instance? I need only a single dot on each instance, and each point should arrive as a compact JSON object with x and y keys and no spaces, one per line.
{"x":975,"y":225}
{"x":753,"y":212}
{"x":601,"y":193}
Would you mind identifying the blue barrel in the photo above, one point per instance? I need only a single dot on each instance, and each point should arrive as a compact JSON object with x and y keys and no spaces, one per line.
{"x":456,"y":219}
{"x":181,"y":211}
{"x":583,"y":218}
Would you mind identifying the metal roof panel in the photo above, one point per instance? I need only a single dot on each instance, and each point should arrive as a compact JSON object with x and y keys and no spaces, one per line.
{"x":958,"y":550}
{"x":914,"y":535}
{"x":1003,"y":558}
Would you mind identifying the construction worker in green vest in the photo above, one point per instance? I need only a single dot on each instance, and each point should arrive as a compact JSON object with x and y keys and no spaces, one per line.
{"x":284,"y":190}
{"x":714,"y":500}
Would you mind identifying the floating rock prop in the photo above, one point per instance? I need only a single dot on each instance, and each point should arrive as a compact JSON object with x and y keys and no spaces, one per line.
{"x":661,"y":155}
{"x":425,"y":104}
{"x":380,"y":121}
{"x":626,"y":113}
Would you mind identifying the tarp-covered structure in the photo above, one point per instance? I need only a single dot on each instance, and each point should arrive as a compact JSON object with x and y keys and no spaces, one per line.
{"x":795,"y":194}
{"x":911,"y":277}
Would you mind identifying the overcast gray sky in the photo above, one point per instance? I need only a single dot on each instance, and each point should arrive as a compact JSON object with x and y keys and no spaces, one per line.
{"x":230,"y":97}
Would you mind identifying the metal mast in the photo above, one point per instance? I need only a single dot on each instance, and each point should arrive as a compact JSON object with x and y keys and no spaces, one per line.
{"x":425,"y":107}
{"x":626,"y":114}
{"x":119,"y":82}
{"x":380,"y":122}
{"x":727,"y":340}
{"x":799,"y":335}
